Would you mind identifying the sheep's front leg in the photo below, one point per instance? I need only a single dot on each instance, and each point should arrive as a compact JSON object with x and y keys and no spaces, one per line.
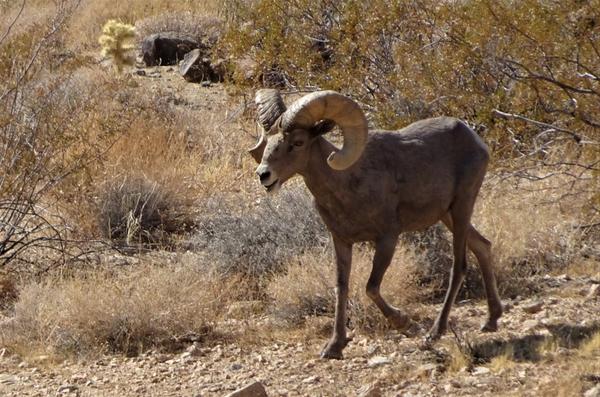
{"x":339,"y":340}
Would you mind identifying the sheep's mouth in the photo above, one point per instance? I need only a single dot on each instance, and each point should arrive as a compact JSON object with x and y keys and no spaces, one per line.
{"x":273,"y":186}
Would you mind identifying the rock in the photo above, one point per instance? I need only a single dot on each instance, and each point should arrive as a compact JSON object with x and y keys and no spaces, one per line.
{"x":197,"y":67}
{"x":378,"y":361}
{"x":255,"y":389}
{"x":67,"y":389}
{"x":426,"y":370}
{"x":7,"y":379}
{"x":372,"y":390}
{"x":311,"y":379}
{"x":166,"y":48}
{"x":533,"y":307}
{"x":481,"y":371}
{"x":594,"y":291}
{"x":373,"y":349}
{"x":530,"y":325}
{"x":195,"y":350}
{"x":593,"y":392}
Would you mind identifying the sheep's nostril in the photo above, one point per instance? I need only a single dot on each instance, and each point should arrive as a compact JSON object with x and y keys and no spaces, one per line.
{"x":264,"y":176}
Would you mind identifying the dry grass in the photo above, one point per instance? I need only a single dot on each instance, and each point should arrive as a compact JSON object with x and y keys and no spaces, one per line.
{"x":126,"y":311}
{"x":92,"y":14}
{"x":532,"y":228}
{"x":206,"y":30}
{"x":591,"y":347}
{"x":306,"y":288}
{"x":166,"y":160}
{"x":259,"y":241}
{"x":457,"y":360}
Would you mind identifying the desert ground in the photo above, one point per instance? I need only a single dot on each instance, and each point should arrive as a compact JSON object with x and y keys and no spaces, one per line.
{"x":149,"y":261}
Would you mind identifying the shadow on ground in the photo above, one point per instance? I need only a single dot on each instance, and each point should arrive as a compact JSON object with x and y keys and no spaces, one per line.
{"x":528,"y":347}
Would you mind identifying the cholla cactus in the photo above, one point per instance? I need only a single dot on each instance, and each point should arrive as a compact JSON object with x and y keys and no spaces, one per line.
{"x":116,"y":42}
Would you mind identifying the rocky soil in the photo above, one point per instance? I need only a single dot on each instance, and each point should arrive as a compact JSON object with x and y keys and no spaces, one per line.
{"x":538,"y":350}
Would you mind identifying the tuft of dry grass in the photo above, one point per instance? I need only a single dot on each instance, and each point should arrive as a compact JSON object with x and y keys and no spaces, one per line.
{"x":138,"y":210}
{"x":591,"y":347}
{"x":503,"y":361}
{"x":457,"y":360}
{"x":126,"y":311}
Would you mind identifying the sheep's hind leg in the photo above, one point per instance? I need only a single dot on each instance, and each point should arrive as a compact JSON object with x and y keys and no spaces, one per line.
{"x":384,"y":251}
{"x":339,"y":340}
{"x":481,"y":247}
{"x":460,"y":221}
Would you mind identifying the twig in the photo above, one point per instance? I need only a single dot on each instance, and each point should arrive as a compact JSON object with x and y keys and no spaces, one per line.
{"x":505,"y":115}
{"x":5,"y":35}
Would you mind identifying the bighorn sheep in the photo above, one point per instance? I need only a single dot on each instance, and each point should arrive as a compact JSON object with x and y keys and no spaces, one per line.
{"x":377,"y":185}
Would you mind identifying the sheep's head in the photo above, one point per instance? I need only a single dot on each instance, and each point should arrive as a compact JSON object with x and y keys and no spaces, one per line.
{"x":284,"y":147}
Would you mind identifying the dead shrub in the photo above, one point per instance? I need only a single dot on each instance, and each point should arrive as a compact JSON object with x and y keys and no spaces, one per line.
{"x":127,"y":311}
{"x":258,"y":241}
{"x":136,"y":209}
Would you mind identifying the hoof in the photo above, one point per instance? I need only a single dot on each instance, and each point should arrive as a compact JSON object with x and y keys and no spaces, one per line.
{"x":333,"y":349}
{"x":413,"y":329}
{"x":435,"y":333}
{"x":332,"y":354}
{"x":490,"y":326}
{"x":399,"y":321}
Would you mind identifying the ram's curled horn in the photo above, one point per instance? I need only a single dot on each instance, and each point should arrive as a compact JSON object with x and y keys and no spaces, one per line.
{"x":346,"y":113}
{"x":270,"y":107}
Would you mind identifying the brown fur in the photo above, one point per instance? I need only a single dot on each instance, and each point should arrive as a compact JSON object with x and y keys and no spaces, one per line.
{"x":405,"y":180}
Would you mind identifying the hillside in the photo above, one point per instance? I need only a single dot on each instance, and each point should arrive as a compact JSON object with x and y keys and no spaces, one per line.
{"x":141,"y":256}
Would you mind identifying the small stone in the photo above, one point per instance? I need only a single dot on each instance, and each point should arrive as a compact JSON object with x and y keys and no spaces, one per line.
{"x":7,"y":379}
{"x":594,"y":291}
{"x":255,"y":389}
{"x":533,"y":307}
{"x":481,"y":371}
{"x":448,"y":388}
{"x":311,"y":379}
{"x":426,"y":369}
{"x":67,"y":389}
{"x":195,"y":350}
{"x":372,"y":390}
{"x":530,"y":325}
{"x":373,"y":349}
{"x":378,"y":360}
{"x":593,"y":392}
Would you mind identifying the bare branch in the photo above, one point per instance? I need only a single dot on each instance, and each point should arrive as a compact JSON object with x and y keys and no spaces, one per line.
{"x":14,"y":21}
{"x":505,"y":115}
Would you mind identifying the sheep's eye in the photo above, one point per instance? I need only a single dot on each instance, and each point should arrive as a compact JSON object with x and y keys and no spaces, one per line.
{"x":298,"y":143}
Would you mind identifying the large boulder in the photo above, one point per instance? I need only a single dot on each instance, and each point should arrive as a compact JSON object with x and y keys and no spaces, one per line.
{"x":166,"y":48}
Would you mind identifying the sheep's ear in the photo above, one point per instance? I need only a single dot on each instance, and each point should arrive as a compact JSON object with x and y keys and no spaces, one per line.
{"x":257,"y":151}
{"x":323,"y":127}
